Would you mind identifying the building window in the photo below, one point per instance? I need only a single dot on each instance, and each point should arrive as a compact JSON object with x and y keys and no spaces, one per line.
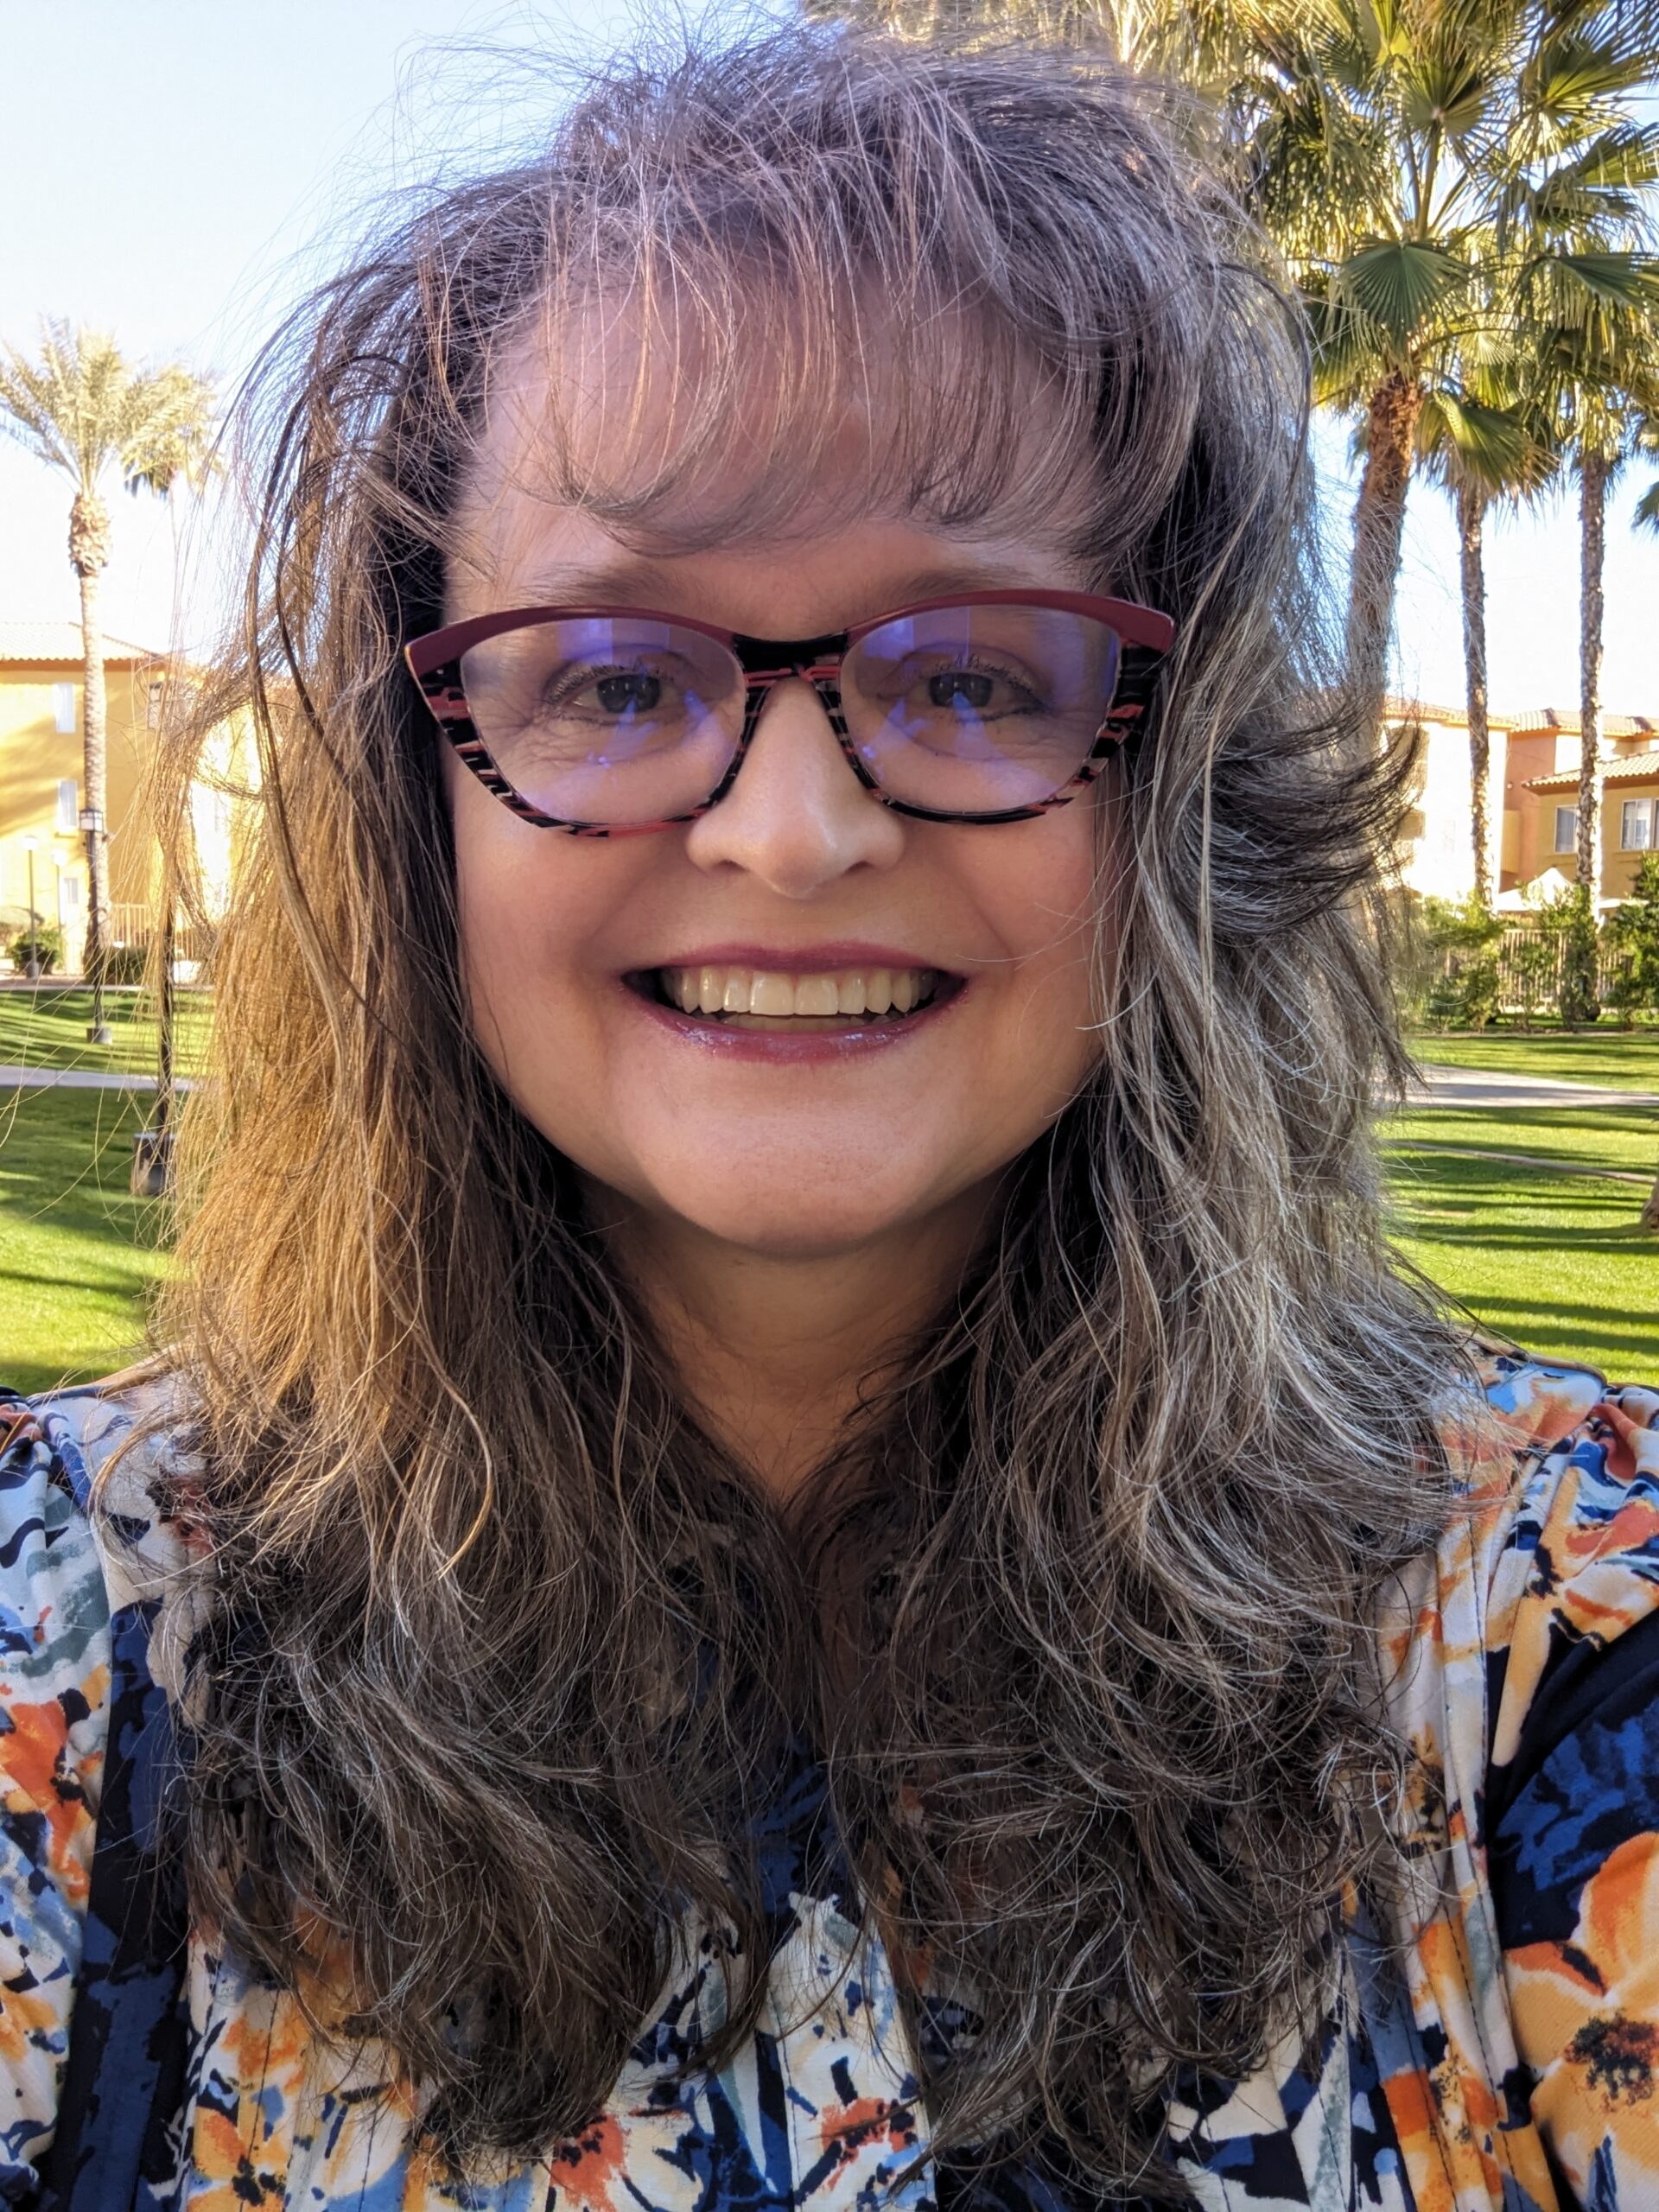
{"x":1635,"y":826}
{"x":1567,"y":829}
{"x":63,"y":709}
{"x":153,"y":704}
{"x":68,"y":807}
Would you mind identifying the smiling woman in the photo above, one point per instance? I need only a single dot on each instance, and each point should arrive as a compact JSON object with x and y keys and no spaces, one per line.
{"x":795,"y":1543}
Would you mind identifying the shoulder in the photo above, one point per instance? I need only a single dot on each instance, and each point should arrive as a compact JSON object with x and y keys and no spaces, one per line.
{"x":54,"y":1608}
{"x":1539,"y":1598}
{"x":1519,"y":1667}
{"x":84,"y":1555}
{"x":1551,"y":1547}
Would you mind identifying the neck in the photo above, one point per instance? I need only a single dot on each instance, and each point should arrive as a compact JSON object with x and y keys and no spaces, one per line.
{"x":776,"y":1351}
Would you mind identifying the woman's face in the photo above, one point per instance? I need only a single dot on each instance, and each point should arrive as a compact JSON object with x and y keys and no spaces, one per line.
{"x":777,"y":1134}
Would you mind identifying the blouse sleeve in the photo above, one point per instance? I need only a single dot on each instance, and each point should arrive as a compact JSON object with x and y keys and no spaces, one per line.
{"x":1571,"y":1810}
{"x":55,"y":1675}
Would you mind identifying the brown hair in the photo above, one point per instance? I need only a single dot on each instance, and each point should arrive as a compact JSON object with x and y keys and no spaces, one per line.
{"x":499,"y":1654}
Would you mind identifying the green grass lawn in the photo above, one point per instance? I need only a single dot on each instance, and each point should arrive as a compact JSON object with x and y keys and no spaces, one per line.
{"x":1557,"y":1262}
{"x":1625,"y":1060}
{"x":47,"y":1028}
{"x":77,"y":1252}
{"x":1584,"y":1136}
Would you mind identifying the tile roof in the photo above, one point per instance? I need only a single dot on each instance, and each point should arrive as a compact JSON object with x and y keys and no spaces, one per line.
{"x":60,"y":642}
{"x":1536,"y":722}
{"x":1633,"y":768}
{"x":1567,"y":720}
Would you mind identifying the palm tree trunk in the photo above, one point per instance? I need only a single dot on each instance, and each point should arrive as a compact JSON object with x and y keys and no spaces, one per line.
{"x":1470,"y":512}
{"x":89,"y":548}
{"x":1592,"y":546}
{"x":1379,"y":524}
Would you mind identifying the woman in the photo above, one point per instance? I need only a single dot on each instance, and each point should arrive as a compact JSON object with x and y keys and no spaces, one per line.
{"x":796,"y":1544}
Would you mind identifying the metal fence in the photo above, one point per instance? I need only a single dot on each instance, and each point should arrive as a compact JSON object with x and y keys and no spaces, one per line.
{"x":1529,"y":957}
{"x":134,"y":924}
{"x":1529,"y":966}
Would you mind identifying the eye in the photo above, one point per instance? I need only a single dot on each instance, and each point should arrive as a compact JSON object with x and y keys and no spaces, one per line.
{"x":634,"y":688}
{"x":963,"y":687}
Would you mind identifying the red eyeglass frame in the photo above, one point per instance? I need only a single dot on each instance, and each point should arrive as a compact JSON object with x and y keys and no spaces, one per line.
{"x":1144,"y":637}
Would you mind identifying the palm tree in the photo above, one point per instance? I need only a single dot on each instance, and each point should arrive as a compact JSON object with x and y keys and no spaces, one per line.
{"x":1380,"y":142}
{"x":81,"y":408}
{"x":1396,"y":145}
{"x":1647,"y":517}
{"x":1482,"y":450}
{"x":1595,"y":309}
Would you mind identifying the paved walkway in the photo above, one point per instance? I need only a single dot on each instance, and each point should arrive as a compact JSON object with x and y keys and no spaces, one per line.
{"x":1440,"y":1087}
{"x":1540,"y":1161}
{"x":1490,"y":1087}
{"x":20,"y":1078}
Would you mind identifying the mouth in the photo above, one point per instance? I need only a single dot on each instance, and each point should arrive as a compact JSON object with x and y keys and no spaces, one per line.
{"x":834,"y":1002}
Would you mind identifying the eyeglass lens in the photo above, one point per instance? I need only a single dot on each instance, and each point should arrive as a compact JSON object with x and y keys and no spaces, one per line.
{"x":963,"y":710}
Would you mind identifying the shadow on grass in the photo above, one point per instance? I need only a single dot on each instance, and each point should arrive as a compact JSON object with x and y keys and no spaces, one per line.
{"x":1562,"y":1265}
{"x":1588,"y":1136}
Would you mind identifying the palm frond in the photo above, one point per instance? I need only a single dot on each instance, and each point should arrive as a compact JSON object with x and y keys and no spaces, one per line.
{"x":81,"y":408}
{"x":1496,"y":451}
{"x":1397,"y":283}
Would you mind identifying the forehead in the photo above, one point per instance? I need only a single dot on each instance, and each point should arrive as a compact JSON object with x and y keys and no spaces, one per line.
{"x":641,"y":430}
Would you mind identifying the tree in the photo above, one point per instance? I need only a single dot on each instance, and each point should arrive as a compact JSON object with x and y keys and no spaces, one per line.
{"x":1579,"y":219}
{"x":1397,"y":146}
{"x":1633,"y":928}
{"x":1381,"y":142}
{"x":1482,"y":449}
{"x":1647,"y":445}
{"x":81,"y":408}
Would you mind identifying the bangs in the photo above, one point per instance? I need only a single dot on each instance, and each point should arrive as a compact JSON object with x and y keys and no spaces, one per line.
{"x":700,"y":404}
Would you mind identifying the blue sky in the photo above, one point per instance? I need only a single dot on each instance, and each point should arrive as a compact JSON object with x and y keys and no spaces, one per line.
{"x":173,"y":170}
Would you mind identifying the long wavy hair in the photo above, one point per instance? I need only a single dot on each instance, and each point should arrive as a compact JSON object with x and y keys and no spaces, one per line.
{"x":498,"y":1652}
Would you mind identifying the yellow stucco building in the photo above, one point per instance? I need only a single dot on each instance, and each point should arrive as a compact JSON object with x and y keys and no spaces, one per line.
{"x":1533,"y":805}
{"x":40,"y":778}
{"x":41,"y":767}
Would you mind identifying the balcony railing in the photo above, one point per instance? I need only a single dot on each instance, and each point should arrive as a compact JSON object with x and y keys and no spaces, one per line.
{"x":132,"y":922}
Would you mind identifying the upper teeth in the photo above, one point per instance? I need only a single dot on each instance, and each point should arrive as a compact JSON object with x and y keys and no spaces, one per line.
{"x":848,"y":990}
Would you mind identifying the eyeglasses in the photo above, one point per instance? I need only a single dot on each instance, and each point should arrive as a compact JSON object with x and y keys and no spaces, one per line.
{"x":993,"y":706}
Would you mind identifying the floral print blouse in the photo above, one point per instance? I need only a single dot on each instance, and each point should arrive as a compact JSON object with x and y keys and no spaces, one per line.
{"x":1496,"y":2047}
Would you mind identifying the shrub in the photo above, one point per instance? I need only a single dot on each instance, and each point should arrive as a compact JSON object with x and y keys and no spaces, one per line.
{"x":1453,"y":974}
{"x":1631,"y":933}
{"x":1580,"y":957}
{"x":48,"y":940}
{"x":125,"y":963}
{"x":1532,"y":966}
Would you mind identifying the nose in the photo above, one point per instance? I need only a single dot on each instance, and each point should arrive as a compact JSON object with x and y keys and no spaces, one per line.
{"x":796,"y":818}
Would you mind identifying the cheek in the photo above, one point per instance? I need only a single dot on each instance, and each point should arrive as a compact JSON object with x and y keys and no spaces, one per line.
{"x":532,"y":905}
{"x":1045,"y":884}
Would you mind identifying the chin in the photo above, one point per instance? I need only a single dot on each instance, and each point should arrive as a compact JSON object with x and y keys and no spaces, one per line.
{"x":812,"y":1224}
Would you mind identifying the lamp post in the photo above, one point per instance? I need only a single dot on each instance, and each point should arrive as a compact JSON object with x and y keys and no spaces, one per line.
{"x":152,"y":1148}
{"x":91,"y":828}
{"x":32,"y":968}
